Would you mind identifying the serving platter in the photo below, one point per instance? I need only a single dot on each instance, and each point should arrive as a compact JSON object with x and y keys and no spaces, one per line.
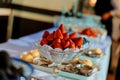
{"x":68,"y":75}
{"x":71,"y":76}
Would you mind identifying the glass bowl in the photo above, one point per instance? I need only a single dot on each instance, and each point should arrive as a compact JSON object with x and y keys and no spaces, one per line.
{"x":58,"y":55}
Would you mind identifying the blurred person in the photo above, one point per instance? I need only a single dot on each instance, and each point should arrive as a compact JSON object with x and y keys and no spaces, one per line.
{"x":109,"y":10}
{"x":115,"y":13}
{"x":101,"y":7}
{"x":8,"y":71}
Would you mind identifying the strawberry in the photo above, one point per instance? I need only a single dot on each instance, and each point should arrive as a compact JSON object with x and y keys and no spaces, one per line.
{"x":76,"y":46}
{"x":72,"y":35}
{"x":78,"y":42}
{"x":58,"y":45}
{"x":58,"y":34}
{"x":65,"y":44}
{"x":62,"y":28}
{"x":52,"y":45}
{"x":89,"y":32}
{"x":62,"y":41}
{"x":72,"y":44}
{"x":56,"y":41}
{"x":53,"y":33}
{"x":65,"y":36}
{"x":46,"y":33}
{"x":50,"y":37}
{"x":43,"y":41}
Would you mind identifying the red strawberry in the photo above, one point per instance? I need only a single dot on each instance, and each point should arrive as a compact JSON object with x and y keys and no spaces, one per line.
{"x":76,"y":46}
{"x":62,"y":41}
{"x":62,"y":28}
{"x":50,"y":37}
{"x":58,"y":46}
{"x":65,"y":44}
{"x":52,"y":45}
{"x":89,"y":32}
{"x":53,"y":33}
{"x":78,"y":42}
{"x":65,"y":36}
{"x":43,"y":41}
{"x":46,"y":33}
{"x":72,"y":44}
{"x":56,"y":41}
{"x":73,"y":35}
{"x":58,"y":34}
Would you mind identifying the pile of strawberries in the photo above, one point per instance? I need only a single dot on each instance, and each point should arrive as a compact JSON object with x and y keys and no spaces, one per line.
{"x":89,"y":32}
{"x":61,"y":39}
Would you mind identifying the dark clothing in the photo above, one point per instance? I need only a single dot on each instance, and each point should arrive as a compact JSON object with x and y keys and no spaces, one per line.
{"x":118,"y":71}
{"x":101,"y":7}
{"x":108,"y":25}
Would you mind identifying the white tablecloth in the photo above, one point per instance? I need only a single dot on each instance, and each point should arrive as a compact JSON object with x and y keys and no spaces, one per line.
{"x":16,"y":46}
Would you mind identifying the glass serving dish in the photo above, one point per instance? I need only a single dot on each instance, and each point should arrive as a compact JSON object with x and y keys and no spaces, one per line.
{"x":101,"y":33}
{"x":57,"y":56}
{"x":94,"y":53}
{"x":65,"y":55}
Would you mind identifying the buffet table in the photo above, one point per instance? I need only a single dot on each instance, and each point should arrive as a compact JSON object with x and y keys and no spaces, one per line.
{"x":16,"y":46}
